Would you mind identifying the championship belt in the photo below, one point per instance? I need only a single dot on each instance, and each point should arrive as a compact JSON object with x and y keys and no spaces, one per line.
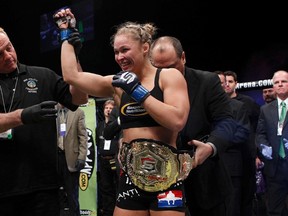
{"x":154,"y":166}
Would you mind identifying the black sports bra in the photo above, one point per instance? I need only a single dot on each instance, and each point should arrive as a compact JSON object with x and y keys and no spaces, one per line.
{"x":132,"y":114}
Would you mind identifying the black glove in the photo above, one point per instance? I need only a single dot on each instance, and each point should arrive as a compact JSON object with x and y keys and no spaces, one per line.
{"x":80,"y":164}
{"x":75,"y":40}
{"x":129,"y":82}
{"x":73,"y":37}
{"x":39,"y":112}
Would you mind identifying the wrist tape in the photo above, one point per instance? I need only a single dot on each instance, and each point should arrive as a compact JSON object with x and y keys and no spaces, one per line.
{"x":140,"y":93}
{"x":64,"y":34}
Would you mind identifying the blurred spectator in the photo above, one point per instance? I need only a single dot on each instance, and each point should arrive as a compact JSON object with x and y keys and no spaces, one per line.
{"x":268,"y":95}
{"x":107,"y":151}
{"x":72,"y":152}
{"x":249,"y":150}
{"x":232,"y":156}
{"x":272,"y":141}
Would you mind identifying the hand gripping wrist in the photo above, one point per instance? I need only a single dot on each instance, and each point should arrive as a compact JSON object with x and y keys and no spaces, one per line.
{"x":68,"y":20}
{"x":140,"y":93}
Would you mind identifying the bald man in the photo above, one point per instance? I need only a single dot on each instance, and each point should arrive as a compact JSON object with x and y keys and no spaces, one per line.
{"x":209,"y":183}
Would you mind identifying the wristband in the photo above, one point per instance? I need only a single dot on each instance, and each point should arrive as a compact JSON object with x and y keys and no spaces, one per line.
{"x":140,"y":93}
{"x":64,"y":34}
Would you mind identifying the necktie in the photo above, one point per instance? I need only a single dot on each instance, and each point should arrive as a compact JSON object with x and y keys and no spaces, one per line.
{"x":281,"y":121}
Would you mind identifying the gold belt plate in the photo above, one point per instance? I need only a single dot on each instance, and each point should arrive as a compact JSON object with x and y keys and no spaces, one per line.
{"x":154,"y":167}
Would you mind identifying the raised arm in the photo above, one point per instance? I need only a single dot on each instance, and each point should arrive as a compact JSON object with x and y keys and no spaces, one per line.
{"x":78,"y":96}
{"x":90,"y":83}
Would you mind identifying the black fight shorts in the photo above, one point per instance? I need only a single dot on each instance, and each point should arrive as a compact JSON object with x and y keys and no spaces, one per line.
{"x":131,"y":197}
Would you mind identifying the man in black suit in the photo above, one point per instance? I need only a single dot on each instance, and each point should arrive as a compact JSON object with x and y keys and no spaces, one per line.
{"x":232,"y":157}
{"x":249,"y":151}
{"x":271,"y":136}
{"x":207,"y":185}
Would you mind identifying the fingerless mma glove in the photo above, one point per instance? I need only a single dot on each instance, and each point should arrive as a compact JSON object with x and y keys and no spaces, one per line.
{"x":73,"y":38}
{"x":129,"y":82}
{"x":71,"y":34}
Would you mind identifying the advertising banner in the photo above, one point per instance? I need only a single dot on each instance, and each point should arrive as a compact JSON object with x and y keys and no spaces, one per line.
{"x":88,"y":178}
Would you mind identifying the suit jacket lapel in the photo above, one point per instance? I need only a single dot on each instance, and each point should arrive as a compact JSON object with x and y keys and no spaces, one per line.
{"x":274,"y":113}
{"x":69,"y":121}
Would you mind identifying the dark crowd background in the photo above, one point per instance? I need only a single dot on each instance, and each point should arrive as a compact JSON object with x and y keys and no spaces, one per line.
{"x":249,"y":38}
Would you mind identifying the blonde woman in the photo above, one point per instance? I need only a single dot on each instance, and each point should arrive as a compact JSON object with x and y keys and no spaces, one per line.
{"x":154,"y":107}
